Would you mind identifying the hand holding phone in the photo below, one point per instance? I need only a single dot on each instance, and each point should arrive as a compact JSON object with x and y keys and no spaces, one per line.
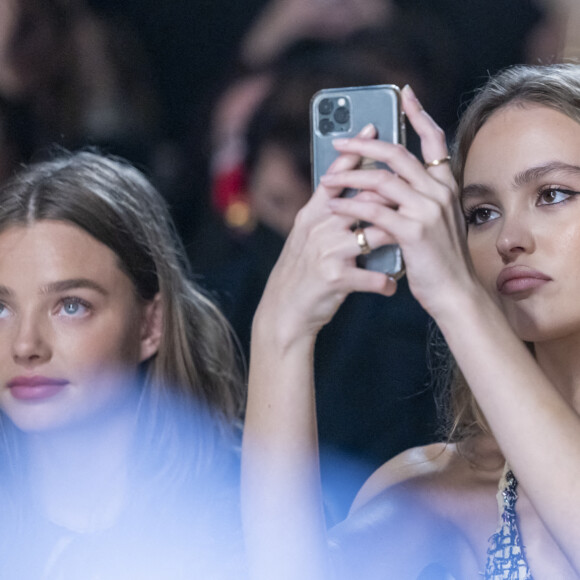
{"x":343,"y":112}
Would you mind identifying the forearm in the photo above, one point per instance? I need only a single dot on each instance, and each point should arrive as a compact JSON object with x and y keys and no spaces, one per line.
{"x":536,"y":427}
{"x":281,"y":495}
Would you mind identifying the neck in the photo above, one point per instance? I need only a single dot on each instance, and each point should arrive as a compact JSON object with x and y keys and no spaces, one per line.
{"x":79,"y":476}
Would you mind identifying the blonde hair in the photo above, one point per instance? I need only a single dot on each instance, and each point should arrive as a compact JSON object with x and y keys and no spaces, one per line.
{"x":556,"y":86}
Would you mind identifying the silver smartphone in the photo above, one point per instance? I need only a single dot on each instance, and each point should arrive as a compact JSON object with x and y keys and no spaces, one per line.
{"x":343,"y":112}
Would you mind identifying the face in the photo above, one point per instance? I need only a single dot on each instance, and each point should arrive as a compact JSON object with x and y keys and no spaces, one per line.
{"x":522,"y":201}
{"x":72,"y":330}
{"x":278,"y":191}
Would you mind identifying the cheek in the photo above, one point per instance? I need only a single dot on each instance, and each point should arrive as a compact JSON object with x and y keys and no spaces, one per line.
{"x":483,"y":257}
{"x":103,"y":349}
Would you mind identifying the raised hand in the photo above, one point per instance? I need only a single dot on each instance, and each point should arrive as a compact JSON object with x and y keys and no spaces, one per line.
{"x":416,"y":205}
{"x":317,"y":268}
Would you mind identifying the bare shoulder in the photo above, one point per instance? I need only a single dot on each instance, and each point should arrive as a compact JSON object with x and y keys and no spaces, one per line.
{"x":428,"y":463}
{"x":402,"y":521}
{"x":440,"y":496}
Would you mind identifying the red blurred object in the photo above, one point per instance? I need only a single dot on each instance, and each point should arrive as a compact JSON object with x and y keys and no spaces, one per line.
{"x":229,"y":187}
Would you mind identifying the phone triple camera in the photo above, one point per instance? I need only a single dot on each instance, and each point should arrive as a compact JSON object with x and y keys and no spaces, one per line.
{"x":334,"y":115}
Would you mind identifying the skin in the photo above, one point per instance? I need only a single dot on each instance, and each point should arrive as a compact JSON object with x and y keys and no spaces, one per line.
{"x":532,"y":225}
{"x":68,"y":311}
{"x":454,"y":274}
{"x":90,"y":336}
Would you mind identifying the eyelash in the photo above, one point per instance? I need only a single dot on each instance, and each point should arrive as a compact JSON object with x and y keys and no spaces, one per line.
{"x":471,"y":213}
{"x":4,"y":310}
{"x":67,"y":300}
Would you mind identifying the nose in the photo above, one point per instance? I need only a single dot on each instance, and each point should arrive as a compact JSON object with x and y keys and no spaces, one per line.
{"x":31,"y":346}
{"x":515,"y":237}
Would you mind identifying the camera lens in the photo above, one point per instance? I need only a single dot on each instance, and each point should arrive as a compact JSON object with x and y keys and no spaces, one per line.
{"x":326,"y":126}
{"x":341,"y":115}
{"x":325,"y":106}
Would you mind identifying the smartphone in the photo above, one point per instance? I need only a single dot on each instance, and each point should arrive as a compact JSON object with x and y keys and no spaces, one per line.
{"x":343,"y":112}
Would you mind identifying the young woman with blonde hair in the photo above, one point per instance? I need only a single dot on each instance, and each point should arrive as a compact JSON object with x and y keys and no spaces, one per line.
{"x":491,"y":244}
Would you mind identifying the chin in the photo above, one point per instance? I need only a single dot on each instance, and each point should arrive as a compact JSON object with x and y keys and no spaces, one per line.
{"x":526,"y":327}
{"x":35,"y":423}
{"x":536,"y":331}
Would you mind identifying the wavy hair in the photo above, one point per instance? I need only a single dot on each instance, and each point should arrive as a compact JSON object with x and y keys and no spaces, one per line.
{"x":556,"y":86}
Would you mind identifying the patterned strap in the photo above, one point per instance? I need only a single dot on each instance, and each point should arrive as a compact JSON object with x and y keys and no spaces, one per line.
{"x":506,"y":558}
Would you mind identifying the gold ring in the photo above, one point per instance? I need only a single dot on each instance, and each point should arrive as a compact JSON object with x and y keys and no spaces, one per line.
{"x":437,"y":162}
{"x":362,"y":241}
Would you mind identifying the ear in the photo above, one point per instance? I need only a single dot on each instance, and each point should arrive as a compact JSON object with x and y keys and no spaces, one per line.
{"x":151,"y":328}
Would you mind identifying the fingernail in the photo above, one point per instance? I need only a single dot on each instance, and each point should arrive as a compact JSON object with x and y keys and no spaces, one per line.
{"x":340,"y":141}
{"x":410,"y":93}
{"x":367,"y":130}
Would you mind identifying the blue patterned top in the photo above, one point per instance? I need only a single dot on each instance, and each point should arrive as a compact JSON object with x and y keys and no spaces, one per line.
{"x":506,"y":557}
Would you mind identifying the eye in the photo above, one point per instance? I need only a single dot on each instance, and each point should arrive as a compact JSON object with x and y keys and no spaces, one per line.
{"x":4,"y":312}
{"x":74,"y":307}
{"x":554,"y":195}
{"x":478,"y":216}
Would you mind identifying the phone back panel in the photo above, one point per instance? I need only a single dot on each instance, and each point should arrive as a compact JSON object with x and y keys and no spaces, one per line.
{"x":343,"y":112}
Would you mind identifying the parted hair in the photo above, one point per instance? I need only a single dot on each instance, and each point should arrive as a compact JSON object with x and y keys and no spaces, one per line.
{"x":556,"y":86}
{"x":191,"y":390}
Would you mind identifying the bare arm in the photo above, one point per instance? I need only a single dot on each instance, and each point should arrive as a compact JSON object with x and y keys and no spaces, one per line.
{"x":282,"y":506}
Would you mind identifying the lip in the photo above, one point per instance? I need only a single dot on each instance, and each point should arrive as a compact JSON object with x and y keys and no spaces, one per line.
{"x":36,"y":387}
{"x":517,"y":279}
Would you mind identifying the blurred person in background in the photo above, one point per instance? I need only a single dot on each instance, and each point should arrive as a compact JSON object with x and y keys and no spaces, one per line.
{"x":283,"y":23}
{"x":75,"y":78}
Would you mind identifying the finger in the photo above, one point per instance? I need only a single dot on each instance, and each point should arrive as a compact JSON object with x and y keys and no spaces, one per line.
{"x":367,"y":239}
{"x":433,"y":142}
{"x":317,"y":217}
{"x":384,"y":218}
{"x":362,"y":280}
{"x":403,"y":164}
{"x":349,"y":161}
{"x":384,"y":188}
{"x":343,"y":163}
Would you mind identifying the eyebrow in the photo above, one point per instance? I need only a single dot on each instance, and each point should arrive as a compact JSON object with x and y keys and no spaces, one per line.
{"x":535,"y":173}
{"x":523,"y":178}
{"x":72,"y":284}
{"x":61,"y":286}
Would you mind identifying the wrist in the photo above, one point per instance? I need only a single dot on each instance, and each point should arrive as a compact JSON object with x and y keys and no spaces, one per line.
{"x":464,"y":309}
{"x":273,"y":329}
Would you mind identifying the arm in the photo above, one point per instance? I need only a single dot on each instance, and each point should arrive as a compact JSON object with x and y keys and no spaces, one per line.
{"x":282,"y":507}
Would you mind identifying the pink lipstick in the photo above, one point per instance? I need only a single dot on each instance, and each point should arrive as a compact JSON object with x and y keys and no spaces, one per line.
{"x":517,"y":279}
{"x":35,"y":388}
